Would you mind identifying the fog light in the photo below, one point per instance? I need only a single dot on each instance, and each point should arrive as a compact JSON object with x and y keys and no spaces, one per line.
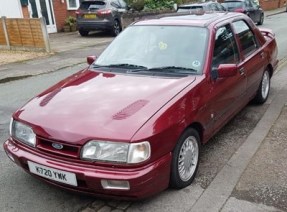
{"x":10,"y":156}
{"x":115,"y":184}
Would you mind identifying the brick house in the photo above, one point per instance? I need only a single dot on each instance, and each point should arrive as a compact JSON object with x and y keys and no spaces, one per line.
{"x":54,"y":11}
{"x":272,"y":4}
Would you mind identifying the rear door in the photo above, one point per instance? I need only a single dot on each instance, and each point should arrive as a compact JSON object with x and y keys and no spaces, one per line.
{"x":257,"y":12}
{"x":253,"y":57}
{"x":251,"y":11}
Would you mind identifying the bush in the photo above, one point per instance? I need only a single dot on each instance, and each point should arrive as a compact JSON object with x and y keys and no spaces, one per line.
{"x":70,"y":21}
{"x":159,"y":4}
{"x":137,"y":5}
{"x":152,"y":4}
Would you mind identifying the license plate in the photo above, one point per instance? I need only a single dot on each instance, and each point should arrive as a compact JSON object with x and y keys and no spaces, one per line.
{"x":90,"y":16}
{"x":53,"y":174}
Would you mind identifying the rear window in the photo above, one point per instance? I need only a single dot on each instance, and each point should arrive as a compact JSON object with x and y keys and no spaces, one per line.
{"x":92,"y":5}
{"x":189,"y":8}
{"x":233,"y":4}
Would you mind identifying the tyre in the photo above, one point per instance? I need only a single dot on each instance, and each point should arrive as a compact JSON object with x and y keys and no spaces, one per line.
{"x":116,"y":28}
{"x":83,"y":32}
{"x":185,"y":159}
{"x":261,"y":20}
{"x":264,"y":88}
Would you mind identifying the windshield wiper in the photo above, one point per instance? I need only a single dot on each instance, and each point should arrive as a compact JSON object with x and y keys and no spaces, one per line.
{"x":174,"y":69}
{"x":120,"y":65}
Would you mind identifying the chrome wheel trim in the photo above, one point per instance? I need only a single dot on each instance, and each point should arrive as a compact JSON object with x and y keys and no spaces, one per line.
{"x":265,"y":85}
{"x":188,"y":158}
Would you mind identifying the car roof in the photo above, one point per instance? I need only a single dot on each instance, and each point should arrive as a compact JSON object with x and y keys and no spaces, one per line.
{"x":189,"y":19}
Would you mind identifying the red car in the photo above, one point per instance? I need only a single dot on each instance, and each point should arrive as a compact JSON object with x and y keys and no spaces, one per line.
{"x":132,"y":123}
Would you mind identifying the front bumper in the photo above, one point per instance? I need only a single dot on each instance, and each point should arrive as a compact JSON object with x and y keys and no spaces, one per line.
{"x":144,"y":181}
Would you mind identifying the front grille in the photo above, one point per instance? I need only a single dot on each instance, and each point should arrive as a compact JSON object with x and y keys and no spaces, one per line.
{"x":68,"y":150}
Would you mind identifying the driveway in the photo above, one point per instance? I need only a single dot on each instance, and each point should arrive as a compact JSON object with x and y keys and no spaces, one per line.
{"x":61,"y":42}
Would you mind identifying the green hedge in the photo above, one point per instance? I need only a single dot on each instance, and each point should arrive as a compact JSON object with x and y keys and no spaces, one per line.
{"x":154,"y":4}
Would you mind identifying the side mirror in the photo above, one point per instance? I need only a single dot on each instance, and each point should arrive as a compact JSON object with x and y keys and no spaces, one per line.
{"x":224,"y":71}
{"x":91,"y":59}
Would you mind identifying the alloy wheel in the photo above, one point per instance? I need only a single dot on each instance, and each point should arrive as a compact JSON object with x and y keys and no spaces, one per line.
{"x":188,"y":158}
{"x":265,"y":85}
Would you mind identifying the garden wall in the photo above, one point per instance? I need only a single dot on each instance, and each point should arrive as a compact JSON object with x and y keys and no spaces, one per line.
{"x":24,"y":34}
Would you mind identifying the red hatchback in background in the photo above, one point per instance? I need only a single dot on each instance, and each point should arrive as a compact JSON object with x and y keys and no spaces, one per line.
{"x":133,"y":122}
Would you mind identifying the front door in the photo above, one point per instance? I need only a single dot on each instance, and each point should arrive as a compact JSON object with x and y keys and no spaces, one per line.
{"x":226,"y":93}
{"x":43,"y":8}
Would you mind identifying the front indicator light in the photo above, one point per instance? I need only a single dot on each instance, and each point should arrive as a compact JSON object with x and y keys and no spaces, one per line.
{"x":139,"y":152}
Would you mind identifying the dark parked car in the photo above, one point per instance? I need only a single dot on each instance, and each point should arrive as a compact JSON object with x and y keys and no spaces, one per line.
{"x":133,"y":122}
{"x":100,"y":15}
{"x":205,"y":6}
{"x":248,"y":7}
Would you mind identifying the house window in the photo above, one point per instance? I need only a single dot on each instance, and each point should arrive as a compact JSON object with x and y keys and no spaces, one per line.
{"x":73,"y":4}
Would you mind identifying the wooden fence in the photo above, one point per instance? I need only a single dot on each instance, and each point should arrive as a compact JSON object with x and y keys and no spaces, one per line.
{"x":24,"y":34}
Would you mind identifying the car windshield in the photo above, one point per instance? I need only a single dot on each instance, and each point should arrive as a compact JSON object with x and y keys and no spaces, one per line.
{"x":162,"y":47}
{"x":233,"y":4}
{"x":92,"y":5}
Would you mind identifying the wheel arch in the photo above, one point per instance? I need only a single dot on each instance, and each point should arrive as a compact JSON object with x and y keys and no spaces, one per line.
{"x":199,"y":128}
{"x":119,"y":21}
{"x":270,"y":69}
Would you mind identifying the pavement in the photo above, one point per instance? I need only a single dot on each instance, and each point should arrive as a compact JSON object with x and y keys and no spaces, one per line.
{"x":275,"y":12}
{"x":254,"y":178}
{"x":68,"y":49}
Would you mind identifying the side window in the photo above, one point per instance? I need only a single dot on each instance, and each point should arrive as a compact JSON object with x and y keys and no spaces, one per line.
{"x":246,"y":37}
{"x":116,"y":4}
{"x":254,"y":5}
{"x":123,"y":3}
{"x":220,"y":7}
{"x":248,"y":3}
{"x":225,"y":49}
{"x":213,"y":7}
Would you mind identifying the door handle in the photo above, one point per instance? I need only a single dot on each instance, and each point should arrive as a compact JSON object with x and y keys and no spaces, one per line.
{"x":242,"y":71}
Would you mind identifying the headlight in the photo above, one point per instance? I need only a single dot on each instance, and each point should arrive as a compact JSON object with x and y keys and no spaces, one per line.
{"x":116,"y":151}
{"x":23,"y":133}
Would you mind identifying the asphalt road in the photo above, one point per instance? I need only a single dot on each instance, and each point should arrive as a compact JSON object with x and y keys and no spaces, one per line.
{"x":21,"y":192}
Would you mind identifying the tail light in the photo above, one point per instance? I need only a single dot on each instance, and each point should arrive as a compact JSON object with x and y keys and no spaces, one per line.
{"x":239,"y":10}
{"x":104,"y":12}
